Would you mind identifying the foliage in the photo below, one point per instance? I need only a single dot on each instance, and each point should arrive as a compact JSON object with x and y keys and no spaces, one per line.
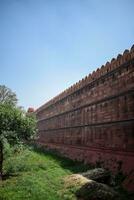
{"x":7,"y":96}
{"x":15,"y":127}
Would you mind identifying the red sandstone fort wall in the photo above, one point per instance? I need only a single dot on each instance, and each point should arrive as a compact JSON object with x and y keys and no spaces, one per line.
{"x":93,"y":120}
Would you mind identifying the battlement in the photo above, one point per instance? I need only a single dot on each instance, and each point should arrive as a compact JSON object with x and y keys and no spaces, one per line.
{"x":104,"y":69}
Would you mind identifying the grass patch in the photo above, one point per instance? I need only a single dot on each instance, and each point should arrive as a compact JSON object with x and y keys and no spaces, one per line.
{"x":37,"y":175}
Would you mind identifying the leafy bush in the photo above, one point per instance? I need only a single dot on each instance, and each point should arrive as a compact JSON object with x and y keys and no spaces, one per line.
{"x":16,"y":127}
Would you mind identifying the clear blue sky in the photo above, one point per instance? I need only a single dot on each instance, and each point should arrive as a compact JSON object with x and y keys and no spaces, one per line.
{"x":47,"y":45}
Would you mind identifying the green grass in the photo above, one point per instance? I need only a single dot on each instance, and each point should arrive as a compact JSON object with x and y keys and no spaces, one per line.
{"x":37,"y":175}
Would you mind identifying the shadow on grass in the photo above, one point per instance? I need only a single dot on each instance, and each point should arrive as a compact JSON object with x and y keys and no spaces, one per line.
{"x":9,"y":176}
{"x":66,"y":163}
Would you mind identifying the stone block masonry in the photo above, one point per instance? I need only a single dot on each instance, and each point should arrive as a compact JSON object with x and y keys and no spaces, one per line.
{"x":93,"y":120}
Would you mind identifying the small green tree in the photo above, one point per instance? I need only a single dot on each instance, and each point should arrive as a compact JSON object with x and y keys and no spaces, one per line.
{"x":15,"y":126}
{"x":7,"y":96}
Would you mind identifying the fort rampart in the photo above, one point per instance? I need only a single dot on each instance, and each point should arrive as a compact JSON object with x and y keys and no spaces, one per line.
{"x":93,"y":120}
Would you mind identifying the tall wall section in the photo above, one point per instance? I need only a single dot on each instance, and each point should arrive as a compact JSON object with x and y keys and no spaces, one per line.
{"x":93,"y":120}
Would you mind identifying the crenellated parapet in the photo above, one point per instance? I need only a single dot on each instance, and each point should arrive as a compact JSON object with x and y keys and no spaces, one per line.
{"x":114,"y":64}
